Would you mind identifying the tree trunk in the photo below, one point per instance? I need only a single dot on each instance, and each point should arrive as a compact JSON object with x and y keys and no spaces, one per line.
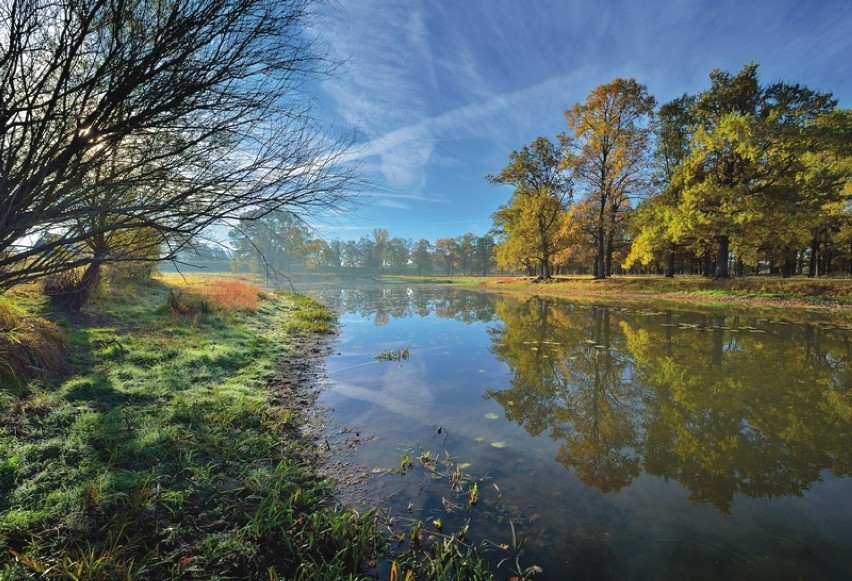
{"x":670,"y":265}
{"x":608,"y":257}
{"x":788,"y":268}
{"x":599,"y":258}
{"x":722,"y":257}
{"x":545,"y":268}
{"x":813,"y":263}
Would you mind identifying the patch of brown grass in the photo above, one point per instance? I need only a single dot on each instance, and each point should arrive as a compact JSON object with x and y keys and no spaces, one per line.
{"x":30,"y":347}
{"x":229,"y":294}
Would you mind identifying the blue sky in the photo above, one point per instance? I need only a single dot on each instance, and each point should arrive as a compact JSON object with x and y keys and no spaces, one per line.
{"x":440,"y":92}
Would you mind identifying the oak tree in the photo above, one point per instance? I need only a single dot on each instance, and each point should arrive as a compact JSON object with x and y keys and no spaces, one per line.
{"x":607,"y":153}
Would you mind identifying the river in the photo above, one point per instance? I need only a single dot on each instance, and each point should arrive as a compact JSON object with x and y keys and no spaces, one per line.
{"x":605,"y":442}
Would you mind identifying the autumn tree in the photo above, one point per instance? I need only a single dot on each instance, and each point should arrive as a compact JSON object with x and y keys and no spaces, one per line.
{"x":484,"y":253}
{"x":746,"y":151}
{"x":652,"y":237}
{"x":350,"y":255}
{"x":164,"y":117}
{"x":825,"y":190}
{"x":331,"y":254}
{"x":398,"y":254}
{"x":380,"y":246}
{"x":607,"y":152}
{"x":447,"y":252}
{"x":528,"y":225}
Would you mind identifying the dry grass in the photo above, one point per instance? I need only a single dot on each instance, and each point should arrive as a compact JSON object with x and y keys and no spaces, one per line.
{"x":30,"y":347}
{"x":229,"y":294}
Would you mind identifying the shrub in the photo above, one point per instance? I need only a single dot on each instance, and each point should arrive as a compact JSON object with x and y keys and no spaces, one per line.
{"x":181,"y":303}
{"x":71,"y":291}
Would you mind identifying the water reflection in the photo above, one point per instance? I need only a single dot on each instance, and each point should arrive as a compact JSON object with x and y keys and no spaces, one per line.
{"x":633,"y":443}
{"x":381,"y":304}
{"x":719,"y":403}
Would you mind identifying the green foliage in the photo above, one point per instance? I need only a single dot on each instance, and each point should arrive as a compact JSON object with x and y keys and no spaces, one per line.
{"x":529,"y":223}
{"x":742,"y":176}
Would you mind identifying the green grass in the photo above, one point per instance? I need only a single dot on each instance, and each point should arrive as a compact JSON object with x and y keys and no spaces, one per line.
{"x":165,"y":453}
{"x":164,"y":456}
{"x":797,"y":294}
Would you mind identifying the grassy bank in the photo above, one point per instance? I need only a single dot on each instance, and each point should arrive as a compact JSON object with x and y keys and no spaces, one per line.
{"x":164,"y":434}
{"x":831,"y":296}
{"x":172,"y":447}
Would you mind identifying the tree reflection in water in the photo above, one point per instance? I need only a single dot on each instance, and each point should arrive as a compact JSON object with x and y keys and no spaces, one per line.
{"x":716,"y":404}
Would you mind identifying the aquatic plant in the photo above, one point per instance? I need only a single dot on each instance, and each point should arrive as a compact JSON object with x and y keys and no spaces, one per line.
{"x":394,"y":355}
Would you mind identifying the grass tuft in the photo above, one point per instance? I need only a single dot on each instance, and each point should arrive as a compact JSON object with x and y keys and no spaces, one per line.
{"x":30,"y":347}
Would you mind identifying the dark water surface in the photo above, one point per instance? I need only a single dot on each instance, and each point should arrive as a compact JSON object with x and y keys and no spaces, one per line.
{"x":619,"y":443}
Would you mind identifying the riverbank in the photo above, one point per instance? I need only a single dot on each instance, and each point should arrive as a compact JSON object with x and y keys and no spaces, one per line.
{"x":176,"y":445}
{"x":823,"y":297}
{"x":170,"y":431}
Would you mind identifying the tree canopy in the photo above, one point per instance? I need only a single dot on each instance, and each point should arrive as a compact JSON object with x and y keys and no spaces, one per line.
{"x":529,"y":223}
{"x":745,"y":174}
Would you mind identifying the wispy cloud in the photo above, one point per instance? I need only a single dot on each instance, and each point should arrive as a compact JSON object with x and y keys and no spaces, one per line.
{"x":405,"y":151}
{"x":442,"y":92}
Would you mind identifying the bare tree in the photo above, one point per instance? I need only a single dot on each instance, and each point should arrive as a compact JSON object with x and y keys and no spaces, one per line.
{"x":165,"y":116}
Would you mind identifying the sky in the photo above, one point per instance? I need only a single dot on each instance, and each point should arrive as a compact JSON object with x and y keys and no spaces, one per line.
{"x":439,"y":92}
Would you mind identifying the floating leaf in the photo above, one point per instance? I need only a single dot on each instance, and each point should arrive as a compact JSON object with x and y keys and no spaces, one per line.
{"x":498,"y":444}
{"x":479,"y":439}
{"x":464,"y":466}
{"x":492,"y":416}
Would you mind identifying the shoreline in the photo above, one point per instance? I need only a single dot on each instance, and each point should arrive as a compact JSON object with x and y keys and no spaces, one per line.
{"x":797,"y":297}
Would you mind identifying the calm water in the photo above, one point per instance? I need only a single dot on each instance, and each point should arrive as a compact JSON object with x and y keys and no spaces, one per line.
{"x":619,"y":443}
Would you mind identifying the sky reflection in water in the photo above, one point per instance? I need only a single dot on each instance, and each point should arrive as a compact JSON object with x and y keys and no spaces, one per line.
{"x":640,"y":442}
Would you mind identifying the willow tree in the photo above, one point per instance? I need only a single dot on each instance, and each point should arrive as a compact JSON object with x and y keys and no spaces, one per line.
{"x":607,"y":153}
{"x":529,"y":222}
{"x":162,"y":116}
